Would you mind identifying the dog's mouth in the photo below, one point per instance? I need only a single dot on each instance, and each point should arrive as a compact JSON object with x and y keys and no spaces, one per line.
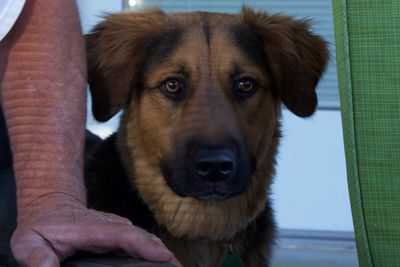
{"x":212,"y":195}
{"x":206,"y":191}
{"x":185,"y":185}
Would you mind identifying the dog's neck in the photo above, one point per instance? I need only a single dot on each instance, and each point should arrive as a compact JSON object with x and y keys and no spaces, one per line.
{"x":210,"y":253}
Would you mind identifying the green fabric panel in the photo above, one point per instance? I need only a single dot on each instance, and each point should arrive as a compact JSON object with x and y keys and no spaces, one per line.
{"x":346,"y":104}
{"x":368,"y":58}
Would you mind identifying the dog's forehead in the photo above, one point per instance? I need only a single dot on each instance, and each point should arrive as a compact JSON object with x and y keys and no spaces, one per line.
{"x":197,"y":27}
{"x":210,"y":24}
{"x":217,"y":35}
{"x":201,"y":19}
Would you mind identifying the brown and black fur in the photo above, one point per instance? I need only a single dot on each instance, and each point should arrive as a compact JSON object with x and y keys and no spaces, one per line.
{"x":141,"y":172}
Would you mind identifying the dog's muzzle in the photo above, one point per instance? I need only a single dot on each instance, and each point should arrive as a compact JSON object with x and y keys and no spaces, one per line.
{"x":209,"y":172}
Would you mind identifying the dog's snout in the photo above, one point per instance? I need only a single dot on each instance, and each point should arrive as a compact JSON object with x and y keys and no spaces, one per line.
{"x":214,"y":164}
{"x":210,"y":170}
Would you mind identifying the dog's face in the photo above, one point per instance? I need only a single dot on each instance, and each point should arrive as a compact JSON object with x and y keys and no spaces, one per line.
{"x":202,"y":95}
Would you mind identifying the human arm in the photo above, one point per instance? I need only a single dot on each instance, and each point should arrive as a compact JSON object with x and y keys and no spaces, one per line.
{"x":43,"y":93}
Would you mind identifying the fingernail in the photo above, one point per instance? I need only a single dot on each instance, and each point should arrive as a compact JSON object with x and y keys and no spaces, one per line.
{"x":165,"y":251}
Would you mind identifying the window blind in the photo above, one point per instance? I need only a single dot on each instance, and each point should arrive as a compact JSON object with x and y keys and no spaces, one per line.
{"x":320,"y":13}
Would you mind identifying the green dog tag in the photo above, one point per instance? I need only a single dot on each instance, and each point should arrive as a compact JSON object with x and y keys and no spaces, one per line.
{"x":232,"y":260}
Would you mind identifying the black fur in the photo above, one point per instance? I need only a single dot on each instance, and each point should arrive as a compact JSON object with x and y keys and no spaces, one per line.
{"x":108,"y":187}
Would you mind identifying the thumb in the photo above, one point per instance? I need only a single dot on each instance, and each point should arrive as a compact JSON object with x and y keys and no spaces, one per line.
{"x":31,"y":250}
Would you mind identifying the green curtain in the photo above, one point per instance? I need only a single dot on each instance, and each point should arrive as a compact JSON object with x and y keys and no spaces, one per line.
{"x":368,"y":59}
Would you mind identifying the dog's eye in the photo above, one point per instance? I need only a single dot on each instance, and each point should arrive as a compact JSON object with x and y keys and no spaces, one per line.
{"x":244,"y":88}
{"x":246,"y":85}
{"x":172,"y":86}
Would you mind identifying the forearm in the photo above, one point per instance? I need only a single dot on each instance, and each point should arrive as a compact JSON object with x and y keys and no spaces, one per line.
{"x":44,"y":101}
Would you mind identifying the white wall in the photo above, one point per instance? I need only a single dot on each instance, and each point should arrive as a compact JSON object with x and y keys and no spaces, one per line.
{"x":91,"y":11}
{"x":310,"y":189}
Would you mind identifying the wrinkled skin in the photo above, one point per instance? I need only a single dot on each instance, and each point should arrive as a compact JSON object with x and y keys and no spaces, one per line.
{"x":46,"y":238}
{"x":43,"y":94}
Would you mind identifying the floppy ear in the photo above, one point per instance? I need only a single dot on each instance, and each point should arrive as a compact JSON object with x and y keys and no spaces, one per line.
{"x":116,"y":49}
{"x":296,"y":57}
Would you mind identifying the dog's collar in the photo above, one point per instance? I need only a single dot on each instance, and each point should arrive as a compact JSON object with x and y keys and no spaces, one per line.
{"x":232,"y":258}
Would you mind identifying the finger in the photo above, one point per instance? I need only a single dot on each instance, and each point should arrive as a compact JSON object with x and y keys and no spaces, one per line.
{"x":121,"y":253}
{"x":175,"y":262}
{"x":139,"y":243}
{"x":31,"y":250}
{"x":115,"y":218}
{"x":135,"y":241}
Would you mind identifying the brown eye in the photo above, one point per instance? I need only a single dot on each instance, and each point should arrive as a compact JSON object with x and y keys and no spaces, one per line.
{"x":244,"y":88}
{"x":172,"y":86}
{"x":246,"y":85}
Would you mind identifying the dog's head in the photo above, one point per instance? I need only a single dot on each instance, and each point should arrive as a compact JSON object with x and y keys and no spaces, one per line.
{"x":201,"y":94}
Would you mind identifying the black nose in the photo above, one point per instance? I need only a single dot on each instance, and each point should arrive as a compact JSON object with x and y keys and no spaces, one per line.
{"x":214,"y":164}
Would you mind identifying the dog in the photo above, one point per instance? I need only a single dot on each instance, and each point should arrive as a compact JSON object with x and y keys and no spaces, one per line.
{"x":201,"y":94}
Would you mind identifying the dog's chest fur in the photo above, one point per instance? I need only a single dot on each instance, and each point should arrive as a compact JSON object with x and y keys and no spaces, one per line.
{"x":110,"y":190}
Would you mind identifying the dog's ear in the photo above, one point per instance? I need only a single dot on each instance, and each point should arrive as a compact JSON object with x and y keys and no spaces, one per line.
{"x":116,"y":49}
{"x":296,"y":57}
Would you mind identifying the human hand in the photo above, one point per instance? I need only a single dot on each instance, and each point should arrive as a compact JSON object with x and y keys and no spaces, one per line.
{"x":50,"y":235}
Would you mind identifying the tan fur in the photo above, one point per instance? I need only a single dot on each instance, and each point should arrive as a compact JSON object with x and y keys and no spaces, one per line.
{"x":147,"y":128}
{"x":188,"y":217}
{"x":153,"y":127}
